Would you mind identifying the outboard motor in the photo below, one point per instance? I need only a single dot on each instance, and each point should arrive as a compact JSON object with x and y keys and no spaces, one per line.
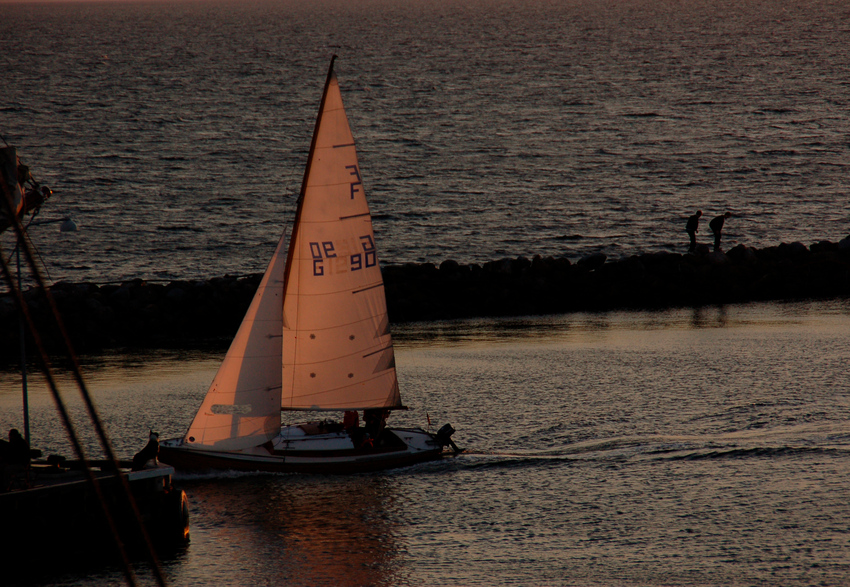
{"x":444,"y":437}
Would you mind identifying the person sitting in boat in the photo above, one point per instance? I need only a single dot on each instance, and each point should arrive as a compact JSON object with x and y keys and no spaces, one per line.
{"x":374,"y":422}
{"x":350,"y":421}
{"x":17,"y":450}
{"x":15,"y":455}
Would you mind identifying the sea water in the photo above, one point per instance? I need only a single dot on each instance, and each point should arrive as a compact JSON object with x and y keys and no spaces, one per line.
{"x":690,"y":447}
{"x":175,"y":134}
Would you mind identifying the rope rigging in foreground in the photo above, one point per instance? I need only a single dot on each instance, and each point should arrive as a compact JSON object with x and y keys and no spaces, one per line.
{"x":7,"y":207}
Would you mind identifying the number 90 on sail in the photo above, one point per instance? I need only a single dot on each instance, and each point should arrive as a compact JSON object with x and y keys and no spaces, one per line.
{"x":325,"y":255}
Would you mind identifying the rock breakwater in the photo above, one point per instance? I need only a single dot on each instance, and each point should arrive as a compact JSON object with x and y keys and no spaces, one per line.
{"x":199,"y":313}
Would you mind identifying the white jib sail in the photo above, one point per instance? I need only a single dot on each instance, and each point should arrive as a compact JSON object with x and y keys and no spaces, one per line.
{"x":242,"y":407}
{"x":337,"y":349}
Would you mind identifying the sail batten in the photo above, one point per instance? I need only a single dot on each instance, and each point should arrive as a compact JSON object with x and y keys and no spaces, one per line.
{"x":362,"y":399}
{"x":354,"y":356}
{"x":346,"y":291}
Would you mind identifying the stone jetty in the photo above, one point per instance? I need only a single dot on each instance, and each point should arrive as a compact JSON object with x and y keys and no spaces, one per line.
{"x":208,"y":312}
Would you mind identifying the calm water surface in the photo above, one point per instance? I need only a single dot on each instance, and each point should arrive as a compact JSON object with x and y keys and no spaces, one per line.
{"x":175,"y":133}
{"x":704,"y":447}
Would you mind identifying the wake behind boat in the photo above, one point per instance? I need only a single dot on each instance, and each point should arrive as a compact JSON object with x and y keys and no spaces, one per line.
{"x":316,"y":337}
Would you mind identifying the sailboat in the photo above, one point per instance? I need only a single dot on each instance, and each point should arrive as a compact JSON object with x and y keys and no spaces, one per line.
{"x":316,"y":337}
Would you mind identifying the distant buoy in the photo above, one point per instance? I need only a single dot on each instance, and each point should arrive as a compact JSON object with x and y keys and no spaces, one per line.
{"x":68,"y":226}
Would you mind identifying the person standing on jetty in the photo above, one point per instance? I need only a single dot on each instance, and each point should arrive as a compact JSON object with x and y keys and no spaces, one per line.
{"x":692,"y":228}
{"x":716,"y":226}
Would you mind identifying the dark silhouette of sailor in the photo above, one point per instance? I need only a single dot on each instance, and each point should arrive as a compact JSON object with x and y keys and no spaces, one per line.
{"x":148,"y":453}
{"x":692,"y":228}
{"x":17,"y":450}
{"x":716,"y":226}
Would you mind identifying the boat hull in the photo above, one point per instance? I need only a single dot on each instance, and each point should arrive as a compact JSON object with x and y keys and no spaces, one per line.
{"x":298,"y":456}
{"x":59,"y":506}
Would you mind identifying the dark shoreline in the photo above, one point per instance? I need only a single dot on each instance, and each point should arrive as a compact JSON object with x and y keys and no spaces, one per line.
{"x":187,"y":314}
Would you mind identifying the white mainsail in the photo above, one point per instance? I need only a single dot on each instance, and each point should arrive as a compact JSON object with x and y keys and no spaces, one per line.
{"x":337,"y":349}
{"x":242,"y":407}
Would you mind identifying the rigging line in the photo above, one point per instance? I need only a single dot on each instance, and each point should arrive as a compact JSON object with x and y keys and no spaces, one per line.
{"x":69,"y":427}
{"x":32,"y":217}
{"x":34,"y":248}
{"x":66,"y":420}
{"x":98,"y":425}
{"x":60,"y":405}
{"x":26,"y":232}
{"x":286,"y":214}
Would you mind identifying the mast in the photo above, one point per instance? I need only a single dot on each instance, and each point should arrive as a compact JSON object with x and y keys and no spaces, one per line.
{"x":307,"y":168}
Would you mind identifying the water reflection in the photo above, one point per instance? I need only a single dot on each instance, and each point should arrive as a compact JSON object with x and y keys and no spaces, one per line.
{"x":134,"y":392}
{"x":710,"y":317}
{"x":591,"y":327}
{"x":117,"y":367}
{"x":293,"y":530}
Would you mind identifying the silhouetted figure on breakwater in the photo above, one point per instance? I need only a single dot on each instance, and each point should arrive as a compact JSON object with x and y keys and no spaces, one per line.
{"x":716,"y":226}
{"x":692,"y":228}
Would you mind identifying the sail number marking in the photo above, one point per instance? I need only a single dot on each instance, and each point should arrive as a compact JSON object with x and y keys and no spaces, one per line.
{"x":323,"y":252}
{"x":355,"y":185}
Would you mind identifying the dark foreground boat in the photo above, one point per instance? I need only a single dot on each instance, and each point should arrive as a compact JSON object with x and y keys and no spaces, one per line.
{"x":316,"y":337}
{"x":53,"y":503}
{"x":54,"y":512}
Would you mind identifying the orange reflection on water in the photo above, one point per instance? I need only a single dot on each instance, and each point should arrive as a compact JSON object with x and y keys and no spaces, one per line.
{"x":296,"y":530}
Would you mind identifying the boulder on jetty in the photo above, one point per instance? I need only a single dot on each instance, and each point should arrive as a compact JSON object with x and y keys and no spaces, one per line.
{"x":199,"y":313}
